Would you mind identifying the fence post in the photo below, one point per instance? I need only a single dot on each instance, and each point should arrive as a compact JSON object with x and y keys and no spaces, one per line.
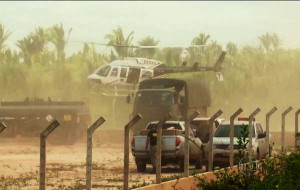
{"x":158,"y":147}
{"x":232,"y":134}
{"x":268,"y":130}
{"x":283,"y":128}
{"x":43,"y":137}
{"x":250,"y":129}
{"x":296,"y":129}
{"x":187,"y":144}
{"x":89,"y":152}
{"x":2,"y":127}
{"x":126,"y":149}
{"x":211,"y":126}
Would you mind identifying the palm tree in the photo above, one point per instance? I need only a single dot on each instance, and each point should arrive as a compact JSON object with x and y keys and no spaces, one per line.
{"x":266,"y":41}
{"x":201,"y":39}
{"x":33,"y":46}
{"x":147,"y":41}
{"x":197,"y":53}
{"x":212,"y":51}
{"x":275,"y":41}
{"x":57,"y":37}
{"x":40,"y":39}
{"x":122,"y":44}
{"x":4,"y":35}
{"x":231,"y":49}
{"x":27,"y":49}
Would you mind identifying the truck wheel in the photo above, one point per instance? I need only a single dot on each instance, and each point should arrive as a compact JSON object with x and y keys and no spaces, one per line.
{"x":141,"y":167}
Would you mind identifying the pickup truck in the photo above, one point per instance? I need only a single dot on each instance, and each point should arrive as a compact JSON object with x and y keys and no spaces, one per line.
{"x":173,"y":141}
{"x":221,"y":141}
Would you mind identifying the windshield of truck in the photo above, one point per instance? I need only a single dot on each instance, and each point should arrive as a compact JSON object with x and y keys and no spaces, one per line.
{"x":155,"y":98}
{"x":224,"y":131}
{"x":167,"y":126}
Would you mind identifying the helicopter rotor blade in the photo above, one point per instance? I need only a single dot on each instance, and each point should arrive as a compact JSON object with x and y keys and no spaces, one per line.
{"x":143,"y":47}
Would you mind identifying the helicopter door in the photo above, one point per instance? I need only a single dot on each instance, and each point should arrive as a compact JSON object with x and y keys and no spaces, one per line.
{"x":114,"y":72}
{"x":133,"y":75}
{"x":123,"y":74}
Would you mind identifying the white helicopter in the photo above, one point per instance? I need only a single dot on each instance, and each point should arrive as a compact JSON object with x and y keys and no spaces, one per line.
{"x":121,"y":77}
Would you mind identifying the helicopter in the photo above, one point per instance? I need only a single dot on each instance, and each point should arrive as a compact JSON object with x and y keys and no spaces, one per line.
{"x":121,"y":77}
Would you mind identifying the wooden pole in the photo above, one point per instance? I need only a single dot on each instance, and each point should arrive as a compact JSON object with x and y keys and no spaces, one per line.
{"x":250,"y":128}
{"x":158,"y":147}
{"x":283,"y":128}
{"x":131,"y":123}
{"x":89,"y":154}
{"x":232,"y":134}
{"x":187,"y":144}
{"x":211,"y":126}
{"x":268,"y":130}
{"x":43,"y":137}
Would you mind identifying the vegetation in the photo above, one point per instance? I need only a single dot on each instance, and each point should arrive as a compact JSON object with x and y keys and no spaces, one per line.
{"x":40,"y":68}
{"x":280,"y":172}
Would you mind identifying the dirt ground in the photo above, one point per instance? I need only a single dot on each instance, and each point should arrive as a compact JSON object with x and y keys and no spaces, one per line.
{"x":19,"y":164}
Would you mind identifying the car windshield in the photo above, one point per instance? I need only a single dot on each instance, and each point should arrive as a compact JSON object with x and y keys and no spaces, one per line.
{"x":155,"y":97}
{"x":103,"y":70}
{"x":166,"y":126}
{"x":224,"y":131}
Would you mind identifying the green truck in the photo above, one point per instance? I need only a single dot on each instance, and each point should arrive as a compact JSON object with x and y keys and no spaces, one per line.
{"x":156,"y":97}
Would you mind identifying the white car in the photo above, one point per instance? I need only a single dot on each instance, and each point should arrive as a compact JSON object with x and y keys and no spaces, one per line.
{"x":221,"y":141}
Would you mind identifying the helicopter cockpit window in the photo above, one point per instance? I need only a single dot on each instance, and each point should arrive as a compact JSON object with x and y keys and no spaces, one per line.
{"x":114,"y":72}
{"x":103,"y":70}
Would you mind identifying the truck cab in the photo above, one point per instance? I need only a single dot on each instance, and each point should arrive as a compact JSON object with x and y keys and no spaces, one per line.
{"x":221,"y":140}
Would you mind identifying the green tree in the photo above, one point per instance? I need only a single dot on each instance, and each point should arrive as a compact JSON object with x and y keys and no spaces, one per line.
{"x":266,"y":41}
{"x":231,"y":49}
{"x":201,"y":39}
{"x":4,"y":35}
{"x":147,"y":52}
{"x":33,"y":47}
{"x":116,"y":37}
{"x":58,"y":38}
{"x":275,"y":41}
{"x":198,"y":53}
{"x":27,"y":50}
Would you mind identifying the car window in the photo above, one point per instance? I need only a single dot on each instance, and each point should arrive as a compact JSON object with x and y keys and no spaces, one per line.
{"x":258,"y":128}
{"x":167,"y":126}
{"x":224,"y":131}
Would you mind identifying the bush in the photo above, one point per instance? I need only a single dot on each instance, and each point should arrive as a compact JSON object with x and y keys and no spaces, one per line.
{"x":280,"y":172}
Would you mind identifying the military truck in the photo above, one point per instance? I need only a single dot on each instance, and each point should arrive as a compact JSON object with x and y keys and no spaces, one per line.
{"x":157,"y":97}
{"x":29,"y":117}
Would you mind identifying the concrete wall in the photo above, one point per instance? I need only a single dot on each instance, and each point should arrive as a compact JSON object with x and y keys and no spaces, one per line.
{"x":186,"y":183}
